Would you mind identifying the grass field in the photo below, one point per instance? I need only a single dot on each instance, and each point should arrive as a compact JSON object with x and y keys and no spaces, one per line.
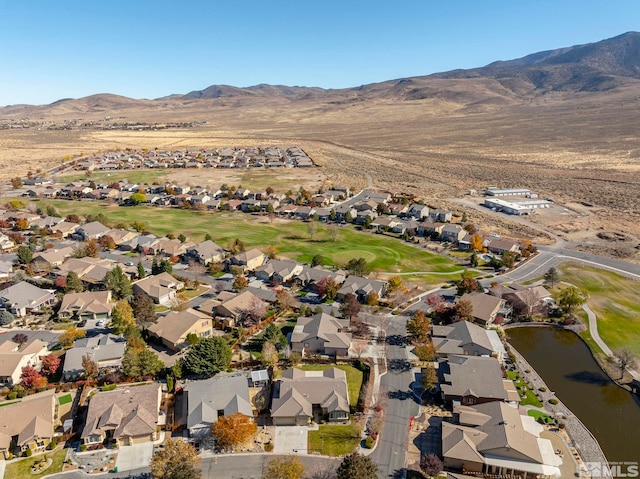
{"x":290,"y":238}
{"x":335,"y":440}
{"x":536,"y":414}
{"x":614,"y":300}
{"x":22,"y":469}
{"x":354,"y":378}
{"x":530,"y":398}
{"x":64,"y":399}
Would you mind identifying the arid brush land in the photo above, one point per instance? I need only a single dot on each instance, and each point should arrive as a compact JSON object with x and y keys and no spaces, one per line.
{"x":564,"y":123}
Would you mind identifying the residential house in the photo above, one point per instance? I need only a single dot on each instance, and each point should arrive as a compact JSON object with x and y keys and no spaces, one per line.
{"x":161,"y":288}
{"x":345,"y":211}
{"x":170,"y":247}
{"x":13,"y":357}
{"x":249,"y":260}
{"x":301,"y":396}
{"x":6,"y":243}
{"x":173,"y":328}
{"x":417,"y":211}
{"x":105,"y":350}
{"x":235,"y":306}
{"x":309,"y":277}
{"x":470,"y":380}
{"x":51,"y":258}
{"x":362,"y":287}
{"x":28,"y":424}
{"x":86,"y":305}
{"x":452,"y":233}
{"x":6,"y":270}
{"x":440,"y":215}
{"x":92,"y":230}
{"x":23,"y":298}
{"x":526,"y":300}
{"x":496,"y":439}
{"x":213,"y":398}
{"x":128,"y":415}
{"x":205,"y":252}
{"x":90,"y":270}
{"x":485,"y":308}
{"x":502,"y":245}
{"x":279,"y":271}
{"x":466,"y":338}
{"x":64,"y":228}
{"x":321,"y":334}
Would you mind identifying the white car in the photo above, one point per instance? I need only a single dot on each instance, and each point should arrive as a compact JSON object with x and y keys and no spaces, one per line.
{"x":101,"y":323}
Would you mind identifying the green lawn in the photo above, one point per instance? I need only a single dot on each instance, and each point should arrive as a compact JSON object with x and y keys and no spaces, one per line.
{"x":614,"y":300}
{"x":64,"y":399}
{"x":335,"y":440}
{"x":530,"y":398}
{"x":291,"y":238}
{"x":536,"y":414}
{"x":354,"y":378}
{"x":22,"y":468}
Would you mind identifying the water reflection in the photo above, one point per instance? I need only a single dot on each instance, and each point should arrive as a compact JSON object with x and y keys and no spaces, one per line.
{"x":566,"y":365}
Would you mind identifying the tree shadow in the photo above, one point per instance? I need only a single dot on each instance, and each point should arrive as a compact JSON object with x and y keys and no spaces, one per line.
{"x":588,"y":377}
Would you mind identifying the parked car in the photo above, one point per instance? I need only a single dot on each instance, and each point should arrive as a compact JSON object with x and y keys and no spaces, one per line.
{"x":101,"y":323}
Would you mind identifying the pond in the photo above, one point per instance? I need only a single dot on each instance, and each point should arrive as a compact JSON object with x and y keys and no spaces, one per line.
{"x":565,"y":363}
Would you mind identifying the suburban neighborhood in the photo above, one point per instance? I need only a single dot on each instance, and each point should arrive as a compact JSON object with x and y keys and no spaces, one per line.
{"x":115,"y":340}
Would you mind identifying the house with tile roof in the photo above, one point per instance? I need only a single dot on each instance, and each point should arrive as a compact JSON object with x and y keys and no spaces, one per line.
{"x":495,"y":438}
{"x":28,"y":424}
{"x":213,"y":398}
{"x":300,"y":396}
{"x":105,"y":350}
{"x":485,"y":307}
{"x":22,"y":298}
{"x":321,"y":334}
{"x":161,"y":288}
{"x":173,"y":328}
{"x":128,"y":415}
{"x":466,"y":338}
{"x":86,"y":305}
{"x":13,"y":357}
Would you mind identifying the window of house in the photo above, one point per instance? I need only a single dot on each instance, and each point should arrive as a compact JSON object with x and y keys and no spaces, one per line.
{"x":220,"y":412}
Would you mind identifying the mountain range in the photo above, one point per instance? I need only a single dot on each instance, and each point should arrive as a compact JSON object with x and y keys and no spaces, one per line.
{"x":595,"y":67}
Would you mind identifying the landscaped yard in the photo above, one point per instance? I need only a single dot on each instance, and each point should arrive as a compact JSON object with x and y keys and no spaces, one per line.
{"x":64,"y":399}
{"x":291,"y":238}
{"x":539,"y":414}
{"x":335,"y":440}
{"x":614,"y":300}
{"x":530,"y":398}
{"x":354,"y":378}
{"x":22,"y":468}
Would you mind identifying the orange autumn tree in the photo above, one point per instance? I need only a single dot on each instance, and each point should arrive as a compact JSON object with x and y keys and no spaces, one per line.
{"x":231,"y":431}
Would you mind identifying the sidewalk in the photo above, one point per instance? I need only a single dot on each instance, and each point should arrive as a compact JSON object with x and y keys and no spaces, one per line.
{"x":374,"y":353}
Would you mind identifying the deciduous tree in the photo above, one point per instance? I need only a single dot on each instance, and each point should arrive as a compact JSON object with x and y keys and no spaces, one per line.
{"x":350,"y":306}
{"x":623,"y":359}
{"x":419,"y":326}
{"x":327,"y":288}
{"x":464,"y":311}
{"x":50,"y":365}
{"x":144,"y":310}
{"x":269,"y":354}
{"x":90,"y":367}
{"x":68,"y":337}
{"x":233,"y":430}
{"x":176,"y":460}
{"x":284,"y":468}
{"x":20,"y":338}
{"x":477,"y":242}
{"x":431,"y":465}
{"x":240,"y":282}
{"x":570,"y":297}
{"x":467,"y":283}
{"x":30,"y":378}
{"x":429,"y":377}
{"x":285,"y":300}
{"x":122,"y":317}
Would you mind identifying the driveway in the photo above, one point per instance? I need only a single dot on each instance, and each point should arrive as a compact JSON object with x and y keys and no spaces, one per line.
{"x":134,"y":457}
{"x":291,"y":439}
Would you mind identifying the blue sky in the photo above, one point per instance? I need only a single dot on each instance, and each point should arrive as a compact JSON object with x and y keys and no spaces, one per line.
{"x":147,"y":49}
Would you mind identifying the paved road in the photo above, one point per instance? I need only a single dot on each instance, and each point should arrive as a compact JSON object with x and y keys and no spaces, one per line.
{"x":251,"y":466}
{"x":390,"y":453}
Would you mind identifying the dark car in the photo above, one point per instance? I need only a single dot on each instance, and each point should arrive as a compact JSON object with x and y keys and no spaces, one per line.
{"x":82,"y":323}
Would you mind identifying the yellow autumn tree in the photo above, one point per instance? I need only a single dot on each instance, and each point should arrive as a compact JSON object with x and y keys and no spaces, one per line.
{"x":233,"y":430}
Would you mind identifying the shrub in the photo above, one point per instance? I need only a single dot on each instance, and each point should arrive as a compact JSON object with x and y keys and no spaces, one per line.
{"x":52,"y":444}
{"x":542,"y":389}
{"x":83,"y":447}
{"x":12,"y":395}
{"x":109,"y":387}
{"x":28,"y":452}
{"x":561,"y":425}
{"x":553,"y":401}
{"x":369,"y":442}
{"x":268,"y":447}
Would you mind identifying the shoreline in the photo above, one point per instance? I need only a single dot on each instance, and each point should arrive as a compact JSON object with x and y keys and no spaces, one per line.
{"x":573,"y":329}
{"x":582,"y":440}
